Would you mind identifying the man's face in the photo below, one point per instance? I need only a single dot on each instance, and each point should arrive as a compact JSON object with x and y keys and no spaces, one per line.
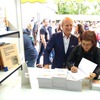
{"x":67,"y":26}
{"x":46,"y":23}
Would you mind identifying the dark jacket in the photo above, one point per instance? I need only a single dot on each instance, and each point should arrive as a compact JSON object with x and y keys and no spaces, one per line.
{"x":29,"y":48}
{"x":56,"y":43}
{"x":78,"y":53}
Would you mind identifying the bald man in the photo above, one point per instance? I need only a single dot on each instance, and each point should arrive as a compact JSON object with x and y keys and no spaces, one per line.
{"x":62,"y":43}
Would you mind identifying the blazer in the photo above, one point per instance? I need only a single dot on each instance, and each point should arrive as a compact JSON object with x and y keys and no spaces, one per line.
{"x":56,"y":43}
{"x":78,"y":53}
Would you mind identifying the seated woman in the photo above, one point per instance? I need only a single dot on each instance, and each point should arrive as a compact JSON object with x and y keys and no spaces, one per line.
{"x":87,"y":49}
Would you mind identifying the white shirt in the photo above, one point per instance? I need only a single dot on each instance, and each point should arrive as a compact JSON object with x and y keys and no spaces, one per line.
{"x":66,"y":41}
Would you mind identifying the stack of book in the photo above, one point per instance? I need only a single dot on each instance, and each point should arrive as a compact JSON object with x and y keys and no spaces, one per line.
{"x":96,"y":85}
{"x":59,"y":80}
{"x":86,"y":84}
{"x":45,"y":78}
{"x":67,"y":80}
{"x":73,"y":84}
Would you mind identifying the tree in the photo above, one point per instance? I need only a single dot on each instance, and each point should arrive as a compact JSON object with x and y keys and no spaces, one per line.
{"x":78,"y":7}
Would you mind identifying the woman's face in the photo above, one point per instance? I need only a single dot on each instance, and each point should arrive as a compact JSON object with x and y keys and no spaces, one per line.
{"x":76,"y":29}
{"x":86,"y":45}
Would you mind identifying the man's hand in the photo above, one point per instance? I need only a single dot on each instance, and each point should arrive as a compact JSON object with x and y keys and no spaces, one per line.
{"x":46,"y":66}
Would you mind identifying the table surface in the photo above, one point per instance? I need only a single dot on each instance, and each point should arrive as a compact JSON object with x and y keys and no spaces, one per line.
{"x":59,"y":94}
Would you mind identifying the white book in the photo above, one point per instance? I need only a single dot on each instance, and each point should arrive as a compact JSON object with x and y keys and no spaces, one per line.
{"x":72,"y":84}
{"x":45,"y":78}
{"x":84,"y":69}
{"x":59,"y":78}
{"x":60,"y":73}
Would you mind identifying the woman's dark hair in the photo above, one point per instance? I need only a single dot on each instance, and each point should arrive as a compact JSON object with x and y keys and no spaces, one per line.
{"x":89,"y":36}
{"x":80,"y":29}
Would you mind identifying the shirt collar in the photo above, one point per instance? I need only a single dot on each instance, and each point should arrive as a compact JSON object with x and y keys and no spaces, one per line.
{"x":66,"y":36}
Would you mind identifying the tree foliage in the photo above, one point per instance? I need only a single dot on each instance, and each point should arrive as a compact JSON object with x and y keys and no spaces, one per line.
{"x":78,"y":7}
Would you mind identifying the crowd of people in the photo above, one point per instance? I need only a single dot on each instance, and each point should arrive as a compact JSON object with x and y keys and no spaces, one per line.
{"x":62,"y":45}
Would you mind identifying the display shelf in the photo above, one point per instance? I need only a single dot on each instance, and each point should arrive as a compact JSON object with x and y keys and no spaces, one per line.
{"x":10,"y":33}
{"x":4,"y":75}
{"x":15,"y":34}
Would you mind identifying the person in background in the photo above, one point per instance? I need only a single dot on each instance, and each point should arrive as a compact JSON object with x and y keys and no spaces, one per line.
{"x":86,"y":26}
{"x":52,"y":30}
{"x":28,"y":31}
{"x":58,"y":28}
{"x":78,"y":31}
{"x":62,"y":43}
{"x":49,"y":28}
{"x":34,"y":29}
{"x":88,"y":50}
{"x":44,"y":37}
{"x":98,"y":38}
{"x":6,"y":24}
{"x":29,"y":50}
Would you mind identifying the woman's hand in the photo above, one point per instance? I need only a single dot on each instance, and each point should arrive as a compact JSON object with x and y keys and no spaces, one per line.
{"x":74,"y":69}
{"x":92,"y":75}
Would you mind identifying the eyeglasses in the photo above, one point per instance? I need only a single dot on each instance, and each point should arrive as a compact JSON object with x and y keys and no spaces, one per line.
{"x":87,"y":44}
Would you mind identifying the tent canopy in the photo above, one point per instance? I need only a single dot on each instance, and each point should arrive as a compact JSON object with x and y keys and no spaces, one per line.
{"x":44,"y":1}
{"x":33,"y":1}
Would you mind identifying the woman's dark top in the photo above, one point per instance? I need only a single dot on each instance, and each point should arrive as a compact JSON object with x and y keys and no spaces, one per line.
{"x":78,"y":53}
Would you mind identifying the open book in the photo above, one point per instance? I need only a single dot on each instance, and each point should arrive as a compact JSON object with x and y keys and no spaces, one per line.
{"x":84,"y":69}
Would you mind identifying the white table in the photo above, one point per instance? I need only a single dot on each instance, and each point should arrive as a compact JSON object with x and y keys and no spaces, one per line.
{"x":51,"y":94}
